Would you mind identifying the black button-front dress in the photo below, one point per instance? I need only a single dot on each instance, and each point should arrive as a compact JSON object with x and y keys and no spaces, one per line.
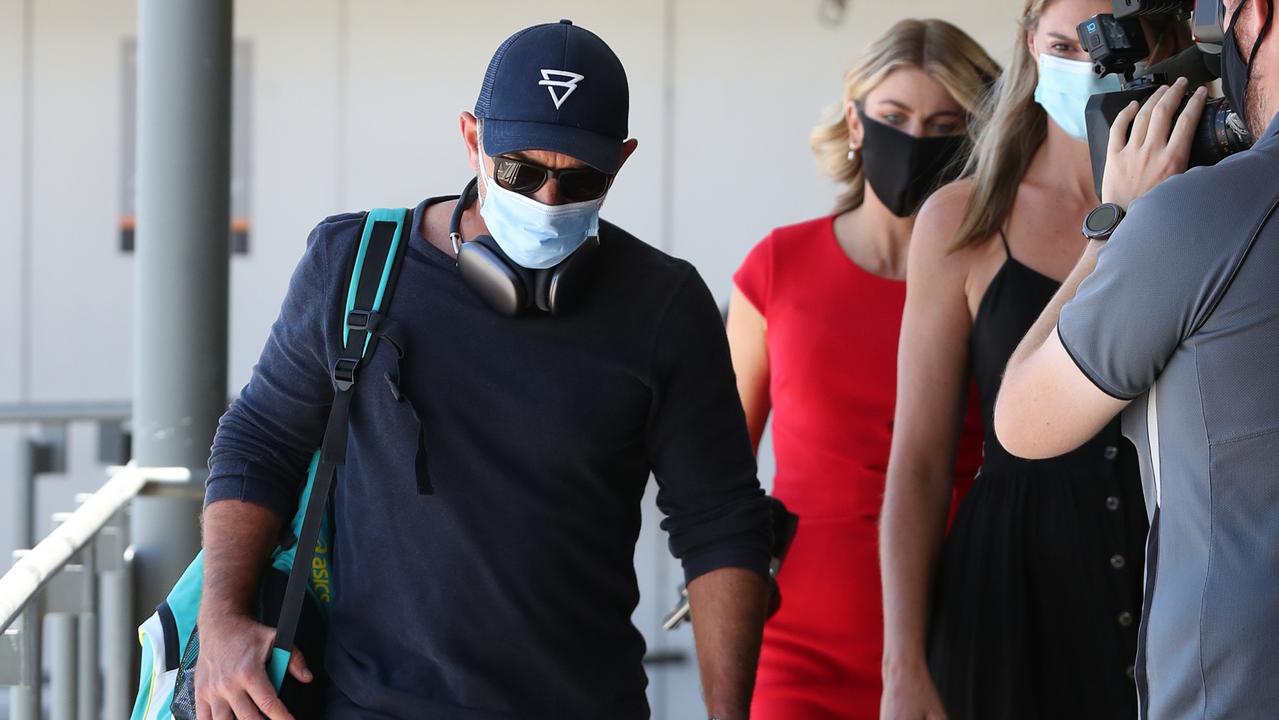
{"x":1038,"y":592}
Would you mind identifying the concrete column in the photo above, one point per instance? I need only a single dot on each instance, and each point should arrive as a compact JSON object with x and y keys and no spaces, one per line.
{"x":180,"y":302}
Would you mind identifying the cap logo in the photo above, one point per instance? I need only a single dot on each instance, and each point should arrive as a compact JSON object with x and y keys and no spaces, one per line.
{"x":565,"y":81}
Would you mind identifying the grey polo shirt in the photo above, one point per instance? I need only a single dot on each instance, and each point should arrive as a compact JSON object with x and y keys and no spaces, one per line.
{"x":1182,"y":317}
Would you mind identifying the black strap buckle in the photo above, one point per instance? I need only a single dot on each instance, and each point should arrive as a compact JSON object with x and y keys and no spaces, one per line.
{"x":359,"y":320}
{"x":344,"y":372}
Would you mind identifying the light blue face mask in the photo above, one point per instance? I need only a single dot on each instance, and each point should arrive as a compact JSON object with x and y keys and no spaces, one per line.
{"x":534,"y":235}
{"x":1064,"y":88}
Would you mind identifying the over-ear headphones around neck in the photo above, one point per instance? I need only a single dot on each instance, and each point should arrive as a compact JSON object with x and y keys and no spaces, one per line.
{"x":510,"y":288}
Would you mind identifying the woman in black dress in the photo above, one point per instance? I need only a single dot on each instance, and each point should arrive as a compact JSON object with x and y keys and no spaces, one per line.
{"x":1029,"y":609}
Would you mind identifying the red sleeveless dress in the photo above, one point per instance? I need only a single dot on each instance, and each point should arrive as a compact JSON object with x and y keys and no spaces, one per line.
{"x":832,"y":331}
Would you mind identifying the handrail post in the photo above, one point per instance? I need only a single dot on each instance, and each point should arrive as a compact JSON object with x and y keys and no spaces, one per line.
{"x":62,"y":665}
{"x":117,"y":630}
{"x":24,"y":698}
{"x":87,"y":699}
{"x":24,"y":503}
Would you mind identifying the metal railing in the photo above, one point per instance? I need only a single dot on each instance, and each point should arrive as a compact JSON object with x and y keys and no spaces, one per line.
{"x":68,"y":599}
{"x":77,"y":575}
{"x":45,"y":450}
{"x":65,"y":411}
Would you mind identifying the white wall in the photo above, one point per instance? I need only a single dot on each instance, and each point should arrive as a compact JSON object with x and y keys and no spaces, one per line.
{"x":12,"y":65}
{"x":355,"y":104}
{"x":295,"y":167}
{"x":753,"y":77}
{"x":81,"y":286}
{"x":12,"y":70}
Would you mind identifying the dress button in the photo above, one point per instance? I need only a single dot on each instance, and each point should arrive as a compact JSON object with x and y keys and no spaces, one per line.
{"x":1125,"y":619}
{"x":1117,"y":562}
{"x":1112,"y":503}
{"x":1131,"y":672}
{"x":1111,"y":452}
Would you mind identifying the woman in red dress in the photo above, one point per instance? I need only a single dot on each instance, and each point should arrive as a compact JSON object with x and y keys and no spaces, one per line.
{"x":813,"y":324}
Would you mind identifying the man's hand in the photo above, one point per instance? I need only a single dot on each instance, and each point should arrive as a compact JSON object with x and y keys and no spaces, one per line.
{"x":1156,"y":149}
{"x":910,"y":695}
{"x":230,"y":676}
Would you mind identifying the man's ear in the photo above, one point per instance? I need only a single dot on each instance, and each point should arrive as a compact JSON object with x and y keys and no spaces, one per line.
{"x":628,"y":148}
{"x":856,"y":131}
{"x":468,"y":124}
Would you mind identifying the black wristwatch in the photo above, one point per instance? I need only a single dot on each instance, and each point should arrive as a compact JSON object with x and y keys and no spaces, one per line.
{"x":1101,"y":222}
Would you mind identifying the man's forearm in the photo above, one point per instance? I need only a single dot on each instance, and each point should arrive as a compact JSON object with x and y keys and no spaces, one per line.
{"x":237,"y":538}
{"x":1047,"y":322}
{"x":729,"y":606}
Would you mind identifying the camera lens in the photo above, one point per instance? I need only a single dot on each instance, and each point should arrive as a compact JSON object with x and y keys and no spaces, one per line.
{"x":1222,"y":132}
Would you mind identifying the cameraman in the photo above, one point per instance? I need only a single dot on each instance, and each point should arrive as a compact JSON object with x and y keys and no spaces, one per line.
{"x":1176,"y":319}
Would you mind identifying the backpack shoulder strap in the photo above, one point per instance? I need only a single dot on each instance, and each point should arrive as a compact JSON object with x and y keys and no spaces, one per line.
{"x":374,"y":272}
{"x":373,"y":276}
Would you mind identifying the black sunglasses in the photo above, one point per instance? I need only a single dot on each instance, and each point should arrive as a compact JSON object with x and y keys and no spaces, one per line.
{"x":577,"y":184}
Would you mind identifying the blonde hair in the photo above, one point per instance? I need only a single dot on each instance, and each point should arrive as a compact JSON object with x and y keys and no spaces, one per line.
{"x":1013,"y":128}
{"x":943,"y":51}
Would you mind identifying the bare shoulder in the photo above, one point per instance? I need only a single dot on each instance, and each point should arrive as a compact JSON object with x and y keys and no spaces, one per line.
{"x":933,"y":239}
{"x":950,"y":199}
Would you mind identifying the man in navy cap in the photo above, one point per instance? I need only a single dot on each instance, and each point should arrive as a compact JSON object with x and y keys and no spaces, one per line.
{"x":487,"y":513}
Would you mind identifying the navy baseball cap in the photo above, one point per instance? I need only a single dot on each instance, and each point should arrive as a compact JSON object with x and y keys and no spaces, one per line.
{"x":556,"y":87}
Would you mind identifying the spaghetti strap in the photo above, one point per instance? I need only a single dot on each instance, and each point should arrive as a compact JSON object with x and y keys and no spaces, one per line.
{"x":994,"y":532}
{"x":1007,"y":250}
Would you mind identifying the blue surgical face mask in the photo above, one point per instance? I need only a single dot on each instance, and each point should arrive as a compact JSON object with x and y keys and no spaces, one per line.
{"x":534,"y":235}
{"x":1064,"y":88}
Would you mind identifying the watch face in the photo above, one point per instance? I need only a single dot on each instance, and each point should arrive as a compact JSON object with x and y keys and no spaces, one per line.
{"x":1103,"y":218}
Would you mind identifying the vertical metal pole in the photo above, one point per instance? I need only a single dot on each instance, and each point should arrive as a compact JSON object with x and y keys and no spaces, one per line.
{"x":668,"y":195}
{"x":119,"y":639}
{"x":88,"y":703}
{"x":87,"y":699}
{"x":24,"y":505}
{"x":62,"y":665}
{"x":24,"y":699}
{"x":23,"y":702}
{"x":24,"y":323}
{"x":180,"y":302}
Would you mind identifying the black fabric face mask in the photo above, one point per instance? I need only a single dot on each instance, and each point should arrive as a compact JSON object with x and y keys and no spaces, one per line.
{"x":903,"y":169}
{"x":1235,"y":71}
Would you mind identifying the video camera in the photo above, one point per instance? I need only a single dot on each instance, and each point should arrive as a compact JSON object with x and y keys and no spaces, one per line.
{"x":1117,"y":44}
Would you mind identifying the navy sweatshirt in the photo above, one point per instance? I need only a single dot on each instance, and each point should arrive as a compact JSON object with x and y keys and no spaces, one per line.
{"x":508,"y":591}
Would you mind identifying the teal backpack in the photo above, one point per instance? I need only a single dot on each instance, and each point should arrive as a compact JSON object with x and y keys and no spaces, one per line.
{"x":297,"y":587}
